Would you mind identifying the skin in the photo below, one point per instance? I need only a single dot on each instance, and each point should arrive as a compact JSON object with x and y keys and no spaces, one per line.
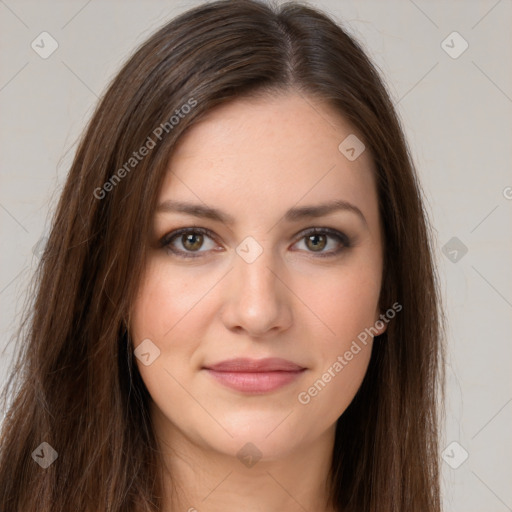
{"x":254,"y":159}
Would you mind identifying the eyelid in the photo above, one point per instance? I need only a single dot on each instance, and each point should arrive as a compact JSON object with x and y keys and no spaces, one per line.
{"x":180,"y":231}
{"x":334,"y":233}
{"x":345,"y":240}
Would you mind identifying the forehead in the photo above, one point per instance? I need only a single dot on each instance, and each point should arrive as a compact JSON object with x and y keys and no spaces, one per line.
{"x":266,"y":152}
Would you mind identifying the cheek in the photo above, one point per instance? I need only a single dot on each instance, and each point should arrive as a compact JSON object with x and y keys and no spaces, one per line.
{"x":164,"y":300}
{"x":345,"y":303}
{"x":169,"y":311}
{"x":159,"y":313}
{"x":163,"y":312}
{"x":331,"y":390}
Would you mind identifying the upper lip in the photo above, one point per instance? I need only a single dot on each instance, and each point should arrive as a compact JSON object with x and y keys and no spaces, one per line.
{"x":245,"y":365}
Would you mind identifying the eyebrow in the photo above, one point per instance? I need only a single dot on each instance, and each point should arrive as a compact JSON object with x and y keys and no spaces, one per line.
{"x":292,"y":215}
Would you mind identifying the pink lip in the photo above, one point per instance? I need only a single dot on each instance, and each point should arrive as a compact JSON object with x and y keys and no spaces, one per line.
{"x":255,"y":375}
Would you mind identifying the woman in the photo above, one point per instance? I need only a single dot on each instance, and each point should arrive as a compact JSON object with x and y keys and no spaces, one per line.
{"x":237,"y":307}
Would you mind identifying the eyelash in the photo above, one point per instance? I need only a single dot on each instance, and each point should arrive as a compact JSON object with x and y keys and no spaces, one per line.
{"x":167,"y":240}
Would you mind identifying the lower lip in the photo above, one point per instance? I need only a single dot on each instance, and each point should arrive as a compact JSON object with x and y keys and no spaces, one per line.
{"x":257,"y":382}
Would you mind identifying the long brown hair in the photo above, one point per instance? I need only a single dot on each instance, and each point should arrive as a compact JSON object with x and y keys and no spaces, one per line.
{"x":74,"y":384}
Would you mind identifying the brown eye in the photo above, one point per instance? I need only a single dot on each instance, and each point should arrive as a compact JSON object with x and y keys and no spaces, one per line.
{"x":192,"y":241}
{"x":324,"y":242}
{"x":316,"y":242}
{"x":189,"y":242}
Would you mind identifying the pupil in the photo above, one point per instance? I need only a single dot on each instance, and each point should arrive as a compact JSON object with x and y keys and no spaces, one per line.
{"x":317,"y":245}
{"x":189,"y":241}
{"x":194,"y":241}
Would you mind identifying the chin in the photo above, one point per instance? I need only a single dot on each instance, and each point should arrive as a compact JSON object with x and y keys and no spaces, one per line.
{"x":271,"y":435}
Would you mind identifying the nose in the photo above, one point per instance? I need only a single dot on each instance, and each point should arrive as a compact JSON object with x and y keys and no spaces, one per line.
{"x":257,"y":300}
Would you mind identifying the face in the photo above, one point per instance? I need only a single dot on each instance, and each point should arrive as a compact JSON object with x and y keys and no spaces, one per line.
{"x":248,"y":318}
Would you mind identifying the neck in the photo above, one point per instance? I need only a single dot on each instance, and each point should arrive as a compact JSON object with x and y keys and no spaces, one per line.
{"x":198,"y":478}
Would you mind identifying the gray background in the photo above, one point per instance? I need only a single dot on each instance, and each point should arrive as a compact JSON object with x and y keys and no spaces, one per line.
{"x":456,"y":113}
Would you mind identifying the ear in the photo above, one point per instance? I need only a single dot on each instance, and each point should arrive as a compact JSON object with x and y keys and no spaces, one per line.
{"x":381,"y":322}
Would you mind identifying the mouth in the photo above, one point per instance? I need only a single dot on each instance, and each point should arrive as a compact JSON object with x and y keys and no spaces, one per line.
{"x":255,"y":376}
